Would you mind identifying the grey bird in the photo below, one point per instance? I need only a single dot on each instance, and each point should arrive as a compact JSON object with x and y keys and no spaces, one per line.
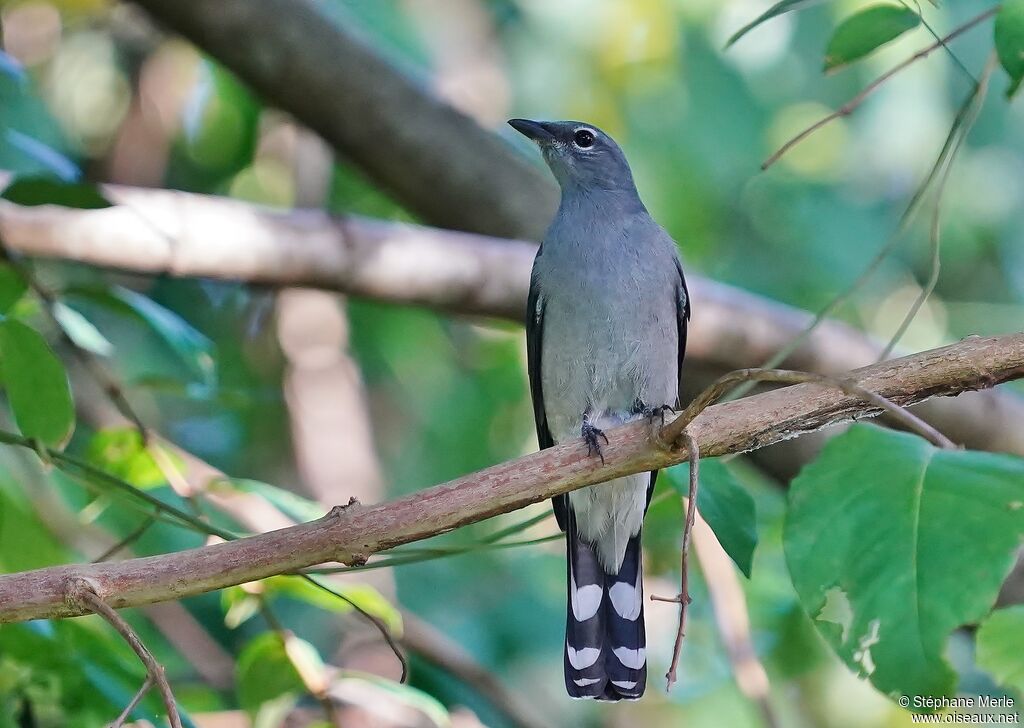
{"x":606,"y":332}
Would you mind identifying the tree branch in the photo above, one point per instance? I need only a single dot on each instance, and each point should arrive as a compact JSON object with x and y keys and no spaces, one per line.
{"x":159,"y":232}
{"x":351,"y":535}
{"x":443,"y":167}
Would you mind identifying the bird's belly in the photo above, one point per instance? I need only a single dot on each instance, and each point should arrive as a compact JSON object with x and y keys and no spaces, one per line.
{"x":605,"y":371}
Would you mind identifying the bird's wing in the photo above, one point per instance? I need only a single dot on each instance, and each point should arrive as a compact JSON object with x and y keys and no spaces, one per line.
{"x":682,"y":303}
{"x":682,"y":321}
{"x":534,"y":342}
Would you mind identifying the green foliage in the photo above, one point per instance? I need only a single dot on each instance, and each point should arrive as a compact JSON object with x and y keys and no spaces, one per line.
{"x":12,"y":287}
{"x":243,"y":602}
{"x":10,"y":68}
{"x":863,"y":32}
{"x":1001,"y":647}
{"x":779,"y":8}
{"x":194,"y":350}
{"x":121,"y":452}
{"x":46,"y":190}
{"x":892,"y":544}
{"x":726,"y":506}
{"x":36,"y":384}
{"x":265,"y":671}
{"x":1009,"y":41}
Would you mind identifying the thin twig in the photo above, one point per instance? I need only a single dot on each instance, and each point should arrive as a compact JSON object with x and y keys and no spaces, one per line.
{"x":969,"y":114}
{"x":729,"y":605}
{"x":83,"y":591}
{"x":146,"y":685}
{"x":129,"y":539}
{"x":376,"y":621}
{"x":674,"y":430}
{"x":850,"y":106}
{"x":683,"y":598}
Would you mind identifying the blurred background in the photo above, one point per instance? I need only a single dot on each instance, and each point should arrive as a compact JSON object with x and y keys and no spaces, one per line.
{"x":328,"y":398}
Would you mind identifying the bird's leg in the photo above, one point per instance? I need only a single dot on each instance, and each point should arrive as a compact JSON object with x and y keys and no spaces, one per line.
{"x":591,"y":435}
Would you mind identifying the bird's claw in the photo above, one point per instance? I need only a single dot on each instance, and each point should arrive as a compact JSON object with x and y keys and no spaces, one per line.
{"x":592,"y":436}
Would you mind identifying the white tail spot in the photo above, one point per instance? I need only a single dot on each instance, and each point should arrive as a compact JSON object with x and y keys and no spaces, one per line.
{"x":624,"y":684}
{"x":626,"y":600}
{"x":584,"y":681}
{"x":585,"y":600}
{"x":582,"y":659}
{"x":633,"y":659}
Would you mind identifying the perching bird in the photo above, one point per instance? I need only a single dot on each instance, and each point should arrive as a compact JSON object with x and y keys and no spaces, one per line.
{"x":606,"y":332}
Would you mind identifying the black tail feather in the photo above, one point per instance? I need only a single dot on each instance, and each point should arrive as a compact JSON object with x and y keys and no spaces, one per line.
{"x":605,"y":650}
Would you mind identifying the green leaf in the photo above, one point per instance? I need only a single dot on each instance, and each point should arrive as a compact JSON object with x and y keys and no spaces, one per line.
{"x":264,"y":671}
{"x":12,"y":287}
{"x":48,"y":158}
{"x":388,"y":691}
{"x":726,"y":506}
{"x":1000,"y":650}
{"x":44,"y":190}
{"x":120,"y":452}
{"x":36,"y":383}
{"x":779,"y":8}
{"x":1009,"y":40}
{"x":194,"y":349}
{"x":863,"y":32}
{"x":293,"y":505}
{"x":882,"y":531}
{"x":81,"y":330}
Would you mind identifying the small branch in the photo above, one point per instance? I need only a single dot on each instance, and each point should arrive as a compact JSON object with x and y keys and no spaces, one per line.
{"x":82,"y":591}
{"x":350,"y":535}
{"x":128,"y":540}
{"x":674,"y":430}
{"x":373,"y":619}
{"x":146,"y":685}
{"x":683,"y":598}
{"x":850,"y":106}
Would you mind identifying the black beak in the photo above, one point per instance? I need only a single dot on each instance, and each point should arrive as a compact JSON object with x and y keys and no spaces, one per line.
{"x":538,"y":131}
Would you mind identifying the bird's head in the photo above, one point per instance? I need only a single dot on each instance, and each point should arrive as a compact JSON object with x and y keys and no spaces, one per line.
{"x":580,"y":155}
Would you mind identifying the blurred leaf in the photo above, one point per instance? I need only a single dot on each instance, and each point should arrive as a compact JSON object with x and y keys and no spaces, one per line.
{"x":1009,"y":40}
{"x":365,"y":596}
{"x":46,"y":156}
{"x":881,"y":529}
{"x":11,"y":68}
{"x":36,"y":384}
{"x":12,"y":287}
{"x":1000,"y":649}
{"x":239,"y":606}
{"x":120,"y":452}
{"x":726,"y":506}
{"x":192,"y":348}
{"x":36,"y":190}
{"x":863,"y":32}
{"x":779,"y":8}
{"x":25,"y":543}
{"x":81,"y":330}
{"x":265,"y":672}
{"x":389,"y":690}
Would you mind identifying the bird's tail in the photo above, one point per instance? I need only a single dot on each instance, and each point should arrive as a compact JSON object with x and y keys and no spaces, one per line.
{"x":605,"y":643}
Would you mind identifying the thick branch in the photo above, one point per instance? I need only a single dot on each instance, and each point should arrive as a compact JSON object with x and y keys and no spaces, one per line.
{"x":352,"y":534}
{"x":440,"y":164}
{"x":182,"y":234}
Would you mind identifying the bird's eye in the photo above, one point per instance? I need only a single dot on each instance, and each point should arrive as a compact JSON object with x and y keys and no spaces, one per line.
{"x":584,"y":138}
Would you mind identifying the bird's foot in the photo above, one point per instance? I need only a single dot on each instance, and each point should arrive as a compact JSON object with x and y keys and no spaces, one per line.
{"x":640,"y":408}
{"x":593,"y":436}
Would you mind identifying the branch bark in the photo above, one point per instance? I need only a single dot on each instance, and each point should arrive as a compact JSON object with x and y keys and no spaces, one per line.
{"x":163,"y":232}
{"x":352,"y":534}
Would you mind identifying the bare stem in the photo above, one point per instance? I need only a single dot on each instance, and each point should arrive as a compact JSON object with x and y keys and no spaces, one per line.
{"x":83,"y":591}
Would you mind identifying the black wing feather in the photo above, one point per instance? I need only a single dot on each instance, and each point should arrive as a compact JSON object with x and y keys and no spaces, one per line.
{"x":682,"y":297}
{"x":534,"y":341}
